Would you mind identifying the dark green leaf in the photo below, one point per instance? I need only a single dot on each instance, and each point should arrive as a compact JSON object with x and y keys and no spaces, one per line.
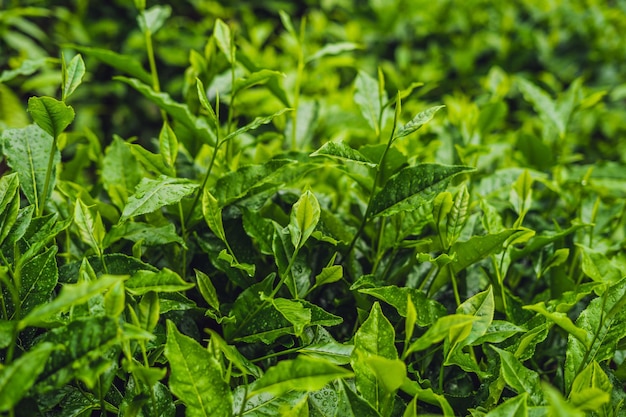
{"x":27,"y":151}
{"x":428,"y":310}
{"x":17,"y":377}
{"x":9,"y":203}
{"x":39,"y":278}
{"x":413,"y":186}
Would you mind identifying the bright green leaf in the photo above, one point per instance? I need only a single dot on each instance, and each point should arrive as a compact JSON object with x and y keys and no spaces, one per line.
{"x":343,"y":152}
{"x":417,"y":122}
{"x":73,"y":75}
{"x":150,"y":195}
{"x":302,"y":374}
{"x":305,"y":215}
{"x":52,"y":115}
{"x":196,"y":376}
{"x":166,"y":280}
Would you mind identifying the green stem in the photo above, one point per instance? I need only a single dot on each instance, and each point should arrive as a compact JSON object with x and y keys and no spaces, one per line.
{"x":44,"y":194}
{"x":296,"y":94}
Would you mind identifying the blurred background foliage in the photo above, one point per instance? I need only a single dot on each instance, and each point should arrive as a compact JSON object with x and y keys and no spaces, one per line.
{"x":467,"y":54}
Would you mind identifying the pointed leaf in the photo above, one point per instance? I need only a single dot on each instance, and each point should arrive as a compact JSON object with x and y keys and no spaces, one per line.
{"x":206,"y":288}
{"x":305,"y":215}
{"x":427,"y":310}
{"x":255,"y":78}
{"x":74,"y":74}
{"x":481,"y":306}
{"x":152,"y":19}
{"x":520,"y":378}
{"x":342,"y":151}
{"x":333,"y":49}
{"x":168,"y":145}
{"x":513,"y":407}
{"x":71,"y":295}
{"x":120,"y":172}
{"x":413,"y":186}
{"x":196,"y":376}
{"x":221,"y":33}
{"x":19,"y":376}
{"x":52,"y":115}
{"x":9,"y":203}
{"x":150,"y":195}
{"x":366,"y":97}
{"x":418,"y":121}
{"x":257,"y":122}
{"x":39,"y":278}
{"x":440,"y":330}
{"x":212,"y":213}
{"x":166,"y":280}
{"x":302,"y":374}
{"x":27,"y":151}
{"x":122,"y":62}
{"x":91,"y":229}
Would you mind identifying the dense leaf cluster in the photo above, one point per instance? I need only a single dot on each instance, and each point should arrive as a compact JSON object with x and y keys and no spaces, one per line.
{"x":383,"y":208}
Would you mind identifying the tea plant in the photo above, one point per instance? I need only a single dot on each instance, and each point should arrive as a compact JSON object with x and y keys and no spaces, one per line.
{"x":285,"y":242}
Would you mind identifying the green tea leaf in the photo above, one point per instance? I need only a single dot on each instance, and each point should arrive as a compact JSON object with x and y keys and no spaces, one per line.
{"x":91,"y":229}
{"x":206,"y":288}
{"x":417,"y":122}
{"x":148,"y":234}
{"x":150,"y":195}
{"x":298,"y":315}
{"x":152,"y":19}
{"x":168,"y":145}
{"x":427,"y":310}
{"x":413,"y":186}
{"x":17,"y":377}
{"x":52,"y":115}
{"x":27,"y":151}
{"x":563,"y":321}
{"x":440,"y":330}
{"x":375,"y":337}
{"x":513,"y":407}
{"x":122,"y":62}
{"x":343,"y":152}
{"x":301,"y":374}
{"x":196,"y":376}
{"x":329,"y":275}
{"x":87,"y":351}
{"x":73,"y":75}
{"x":334,"y":352}
{"x":543,"y":104}
{"x":166,"y":280}
{"x":255,"y":78}
{"x":598,"y":267}
{"x":305,"y":215}
{"x":27,"y":67}
{"x":481,"y":306}
{"x":179,"y":112}
{"x":366,"y":97}
{"x":520,"y":378}
{"x":559,"y":406}
{"x":71,"y":295}
{"x":591,"y":388}
{"x":9,"y":203}
{"x":212,"y":213}
{"x":256,"y":123}
{"x":39,"y":278}
{"x":458,"y":215}
{"x":333,"y":49}
{"x":120,"y":172}
{"x":223,"y":37}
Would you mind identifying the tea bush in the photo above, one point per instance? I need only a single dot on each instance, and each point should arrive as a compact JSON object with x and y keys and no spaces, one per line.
{"x":389,"y":208}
